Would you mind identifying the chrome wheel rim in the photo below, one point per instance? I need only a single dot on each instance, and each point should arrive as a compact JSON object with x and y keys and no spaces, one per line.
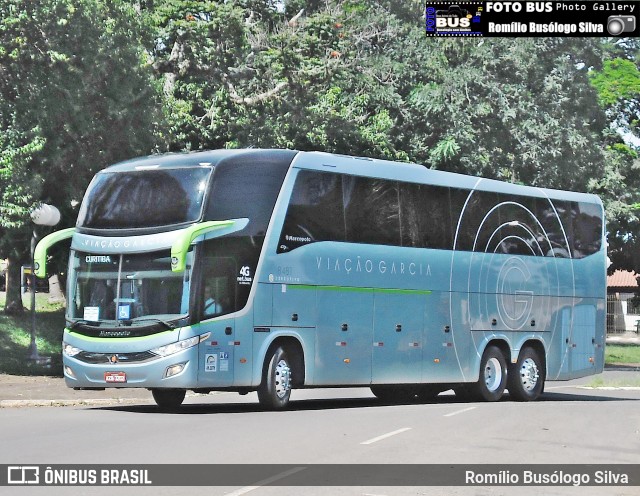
{"x":493,"y":374}
{"x":529,"y":374}
{"x":282,"y":379}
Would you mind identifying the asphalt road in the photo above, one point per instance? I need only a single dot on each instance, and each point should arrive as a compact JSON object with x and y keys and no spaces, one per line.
{"x":569,"y":424}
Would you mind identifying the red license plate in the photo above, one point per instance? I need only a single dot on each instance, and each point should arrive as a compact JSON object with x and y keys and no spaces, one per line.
{"x":115,"y":377}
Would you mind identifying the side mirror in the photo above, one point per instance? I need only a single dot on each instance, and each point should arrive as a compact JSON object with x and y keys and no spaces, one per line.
{"x":181,"y":245}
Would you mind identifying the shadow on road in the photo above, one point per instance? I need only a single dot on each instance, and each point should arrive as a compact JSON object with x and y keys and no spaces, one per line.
{"x":347,"y":403}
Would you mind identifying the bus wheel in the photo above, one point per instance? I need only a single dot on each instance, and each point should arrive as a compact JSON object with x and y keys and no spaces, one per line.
{"x":168,"y":399}
{"x":275,"y":390}
{"x":526,"y":377}
{"x":493,"y":375}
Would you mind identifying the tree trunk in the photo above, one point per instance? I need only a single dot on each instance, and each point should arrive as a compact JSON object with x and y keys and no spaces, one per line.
{"x":13,"y":305}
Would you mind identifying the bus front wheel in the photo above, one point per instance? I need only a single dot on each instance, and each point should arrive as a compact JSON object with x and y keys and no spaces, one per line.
{"x":168,"y":399}
{"x":275,"y":390}
{"x":526,"y":377}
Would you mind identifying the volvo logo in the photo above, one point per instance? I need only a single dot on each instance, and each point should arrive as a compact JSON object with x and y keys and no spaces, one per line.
{"x":113,"y":359}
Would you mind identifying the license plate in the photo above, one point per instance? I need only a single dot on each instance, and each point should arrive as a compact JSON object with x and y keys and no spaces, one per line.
{"x":115,"y":377}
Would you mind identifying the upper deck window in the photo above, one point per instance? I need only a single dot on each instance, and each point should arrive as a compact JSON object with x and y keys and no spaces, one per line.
{"x":144,"y":198}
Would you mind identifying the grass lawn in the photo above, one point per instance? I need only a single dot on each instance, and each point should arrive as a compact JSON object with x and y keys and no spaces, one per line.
{"x":598,"y":382}
{"x":620,"y":353}
{"x":15,"y":336}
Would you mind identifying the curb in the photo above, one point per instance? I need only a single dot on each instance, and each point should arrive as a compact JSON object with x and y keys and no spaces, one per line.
{"x":611,"y":388}
{"x":623,"y":367}
{"x":79,"y":402}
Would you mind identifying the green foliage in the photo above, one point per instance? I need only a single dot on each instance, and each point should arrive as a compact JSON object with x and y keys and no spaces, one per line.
{"x":618,"y":87}
{"x":618,"y":80}
{"x":75,"y":96}
{"x":19,"y":186}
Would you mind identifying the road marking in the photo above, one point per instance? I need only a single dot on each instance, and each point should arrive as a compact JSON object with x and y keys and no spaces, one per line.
{"x":611,"y":388}
{"x":460,"y":411}
{"x":264,"y":482}
{"x":385,"y":436}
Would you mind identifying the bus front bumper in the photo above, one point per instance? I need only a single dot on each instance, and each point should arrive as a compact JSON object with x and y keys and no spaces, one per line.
{"x":117,"y":370}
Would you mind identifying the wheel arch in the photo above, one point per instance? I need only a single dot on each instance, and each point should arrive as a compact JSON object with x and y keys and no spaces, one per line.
{"x":294,"y":349}
{"x":502,"y":345}
{"x":538,"y":347}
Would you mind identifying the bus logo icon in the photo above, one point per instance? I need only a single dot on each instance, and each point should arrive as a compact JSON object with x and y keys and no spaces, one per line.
{"x":23,"y":474}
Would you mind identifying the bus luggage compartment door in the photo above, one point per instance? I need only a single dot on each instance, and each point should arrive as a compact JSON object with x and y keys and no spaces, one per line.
{"x":397,"y":337}
{"x":344,"y":336}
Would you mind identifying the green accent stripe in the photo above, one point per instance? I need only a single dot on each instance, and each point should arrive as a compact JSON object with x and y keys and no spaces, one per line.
{"x":352,"y":289}
{"x":40,"y":253}
{"x":181,"y":244}
{"x":119,"y":339}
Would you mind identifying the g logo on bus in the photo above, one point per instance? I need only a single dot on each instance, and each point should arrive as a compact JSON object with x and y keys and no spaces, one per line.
{"x":514,"y":297}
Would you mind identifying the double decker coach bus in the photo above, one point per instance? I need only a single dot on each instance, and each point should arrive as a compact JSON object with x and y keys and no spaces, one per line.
{"x":271,"y":270}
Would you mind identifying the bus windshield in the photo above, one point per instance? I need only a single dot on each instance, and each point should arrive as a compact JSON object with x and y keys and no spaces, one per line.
{"x":129,"y":289}
{"x":144,"y":198}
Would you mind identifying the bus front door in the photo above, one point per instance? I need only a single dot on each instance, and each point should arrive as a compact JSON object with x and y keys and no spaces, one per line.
{"x":217,"y":355}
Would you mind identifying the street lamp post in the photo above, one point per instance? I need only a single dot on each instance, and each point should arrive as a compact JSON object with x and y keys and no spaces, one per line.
{"x":44,"y":215}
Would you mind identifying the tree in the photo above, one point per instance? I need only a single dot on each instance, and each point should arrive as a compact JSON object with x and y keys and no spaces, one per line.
{"x":360,"y":77}
{"x":76,"y":96}
{"x":618,"y":86}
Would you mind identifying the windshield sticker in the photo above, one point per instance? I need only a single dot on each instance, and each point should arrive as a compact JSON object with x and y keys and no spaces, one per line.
{"x":244,"y":277}
{"x":211,"y":363}
{"x":92,"y":314}
{"x":224,"y":365}
{"x":124,"y":312}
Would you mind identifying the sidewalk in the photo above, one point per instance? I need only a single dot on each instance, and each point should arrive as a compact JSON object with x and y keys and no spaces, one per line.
{"x":626,"y":338}
{"x":18,"y":391}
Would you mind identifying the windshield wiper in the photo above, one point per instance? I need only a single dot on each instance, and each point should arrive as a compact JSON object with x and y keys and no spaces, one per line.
{"x":167,"y":324}
{"x":79,"y":322}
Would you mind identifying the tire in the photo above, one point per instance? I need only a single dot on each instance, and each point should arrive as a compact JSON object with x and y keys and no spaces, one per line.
{"x":493,"y":376}
{"x":527,"y":376}
{"x":275,"y":390}
{"x":168,"y":399}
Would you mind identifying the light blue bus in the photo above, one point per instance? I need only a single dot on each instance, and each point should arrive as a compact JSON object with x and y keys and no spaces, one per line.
{"x":272,"y":270}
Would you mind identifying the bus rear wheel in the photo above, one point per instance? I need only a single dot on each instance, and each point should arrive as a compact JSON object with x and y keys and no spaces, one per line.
{"x":493,"y":375}
{"x":275,"y":390}
{"x":526,"y":377}
{"x":168,"y":399}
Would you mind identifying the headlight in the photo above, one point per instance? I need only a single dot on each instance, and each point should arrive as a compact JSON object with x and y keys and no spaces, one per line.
{"x":170,"y":349}
{"x":69,"y":350}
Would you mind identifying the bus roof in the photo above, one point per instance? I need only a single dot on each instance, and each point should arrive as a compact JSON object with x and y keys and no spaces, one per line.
{"x":361,"y":166}
{"x":193,"y":159}
{"x":411,"y":172}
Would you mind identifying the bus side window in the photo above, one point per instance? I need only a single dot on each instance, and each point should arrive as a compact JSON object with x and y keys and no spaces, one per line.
{"x":218,"y":287}
{"x":315,"y":211}
{"x":372,"y":210}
